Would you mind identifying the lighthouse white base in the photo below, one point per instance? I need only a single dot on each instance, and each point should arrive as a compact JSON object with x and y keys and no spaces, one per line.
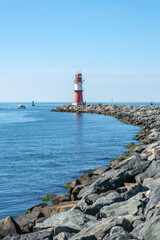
{"x":78,"y":104}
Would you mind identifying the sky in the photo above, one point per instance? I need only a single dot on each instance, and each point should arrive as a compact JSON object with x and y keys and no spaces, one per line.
{"x":115,"y":44}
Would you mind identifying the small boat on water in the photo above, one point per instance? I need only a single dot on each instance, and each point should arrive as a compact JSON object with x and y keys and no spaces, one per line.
{"x":151,"y":103}
{"x":21,"y":107}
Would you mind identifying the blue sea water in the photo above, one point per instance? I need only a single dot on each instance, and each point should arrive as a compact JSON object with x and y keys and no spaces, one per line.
{"x":41,"y":150}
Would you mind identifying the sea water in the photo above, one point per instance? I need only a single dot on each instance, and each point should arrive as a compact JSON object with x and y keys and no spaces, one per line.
{"x":41,"y":150}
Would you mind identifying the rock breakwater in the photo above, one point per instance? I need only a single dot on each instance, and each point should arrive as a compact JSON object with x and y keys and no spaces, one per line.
{"x":119,"y":201}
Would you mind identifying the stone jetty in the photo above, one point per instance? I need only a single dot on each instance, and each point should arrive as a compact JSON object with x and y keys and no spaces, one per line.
{"x":117,"y":202}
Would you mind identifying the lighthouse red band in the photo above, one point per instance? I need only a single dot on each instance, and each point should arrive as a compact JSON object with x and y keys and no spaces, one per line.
{"x":78,"y":89}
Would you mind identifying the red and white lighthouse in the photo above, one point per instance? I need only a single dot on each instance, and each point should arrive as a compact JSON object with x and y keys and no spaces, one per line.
{"x":78,"y":90}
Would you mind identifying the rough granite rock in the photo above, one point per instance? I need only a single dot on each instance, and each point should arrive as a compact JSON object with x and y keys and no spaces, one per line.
{"x":71,"y":221}
{"x":102,"y":228}
{"x":7,"y":226}
{"x":30,"y":236}
{"x":55,"y":199}
{"x":133,"y":165}
{"x":26,"y":222}
{"x":92,"y":198}
{"x":151,"y":183}
{"x":151,"y":229}
{"x":130,"y":207}
{"x":103,"y":201}
{"x":36,"y":208}
{"x":116,"y":229}
{"x":154,"y":199}
{"x":63,"y":236}
{"x":121,"y":236}
{"x":137,"y":229}
{"x":50,"y":210}
{"x":151,"y":171}
{"x":134,"y":191}
{"x":109,"y":180}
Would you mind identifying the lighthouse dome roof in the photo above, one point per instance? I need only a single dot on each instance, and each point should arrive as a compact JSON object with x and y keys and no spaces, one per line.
{"x":78,"y":73}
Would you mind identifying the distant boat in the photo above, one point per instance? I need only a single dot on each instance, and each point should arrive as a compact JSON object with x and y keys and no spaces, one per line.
{"x":33,"y":104}
{"x":151,"y":103}
{"x":21,"y":107}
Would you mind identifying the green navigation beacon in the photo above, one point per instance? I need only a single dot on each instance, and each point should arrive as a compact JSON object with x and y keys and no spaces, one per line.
{"x":33,"y":104}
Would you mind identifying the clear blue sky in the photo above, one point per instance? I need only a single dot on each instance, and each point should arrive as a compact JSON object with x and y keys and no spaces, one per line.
{"x":114,"y":43}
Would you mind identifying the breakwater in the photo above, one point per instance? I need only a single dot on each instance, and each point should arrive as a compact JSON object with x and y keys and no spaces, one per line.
{"x":120,"y":201}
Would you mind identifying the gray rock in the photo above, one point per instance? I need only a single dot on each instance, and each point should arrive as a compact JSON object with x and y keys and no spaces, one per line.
{"x":102,"y":228}
{"x":85,"y":201}
{"x":86,"y":191}
{"x":151,"y":229}
{"x":116,"y":229}
{"x":152,"y":170}
{"x":150,"y":214}
{"x":154,"y":199}
{"x":139,"y":196}
{"x":134,"y":165}
{"x":26,"y":222}
{"x":130,"y":207}
{"x":39,"y":220}
{"x":75,"y":192}
{"x":110,"y":180}
{"x":134,"y":191}
{"x":115,"y":178}
{"x":101,"y":170}
{"x":137,"y":223}
{"x":121,"y":236}
{"x":71,"y":221}
{"x":55,"y":199}
{"x":8,"y":226}
{"x":152,"y":183}
{"x":90,"y":199}
{"x":103,"y":201}
{"x":81,"y":205}
{"x":137,"y":229}
{"x":63,"y":236}
{"x":121,"y":189}
{"x":30,"y":236}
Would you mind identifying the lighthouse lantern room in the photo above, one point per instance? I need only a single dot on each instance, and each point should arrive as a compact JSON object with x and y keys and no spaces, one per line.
{"x":78,"y":90}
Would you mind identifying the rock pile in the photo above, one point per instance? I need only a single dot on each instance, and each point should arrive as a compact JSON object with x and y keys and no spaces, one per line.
{"x":118,"y":202}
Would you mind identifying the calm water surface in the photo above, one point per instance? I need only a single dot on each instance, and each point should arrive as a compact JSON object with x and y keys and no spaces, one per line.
{"x":41,"y":150}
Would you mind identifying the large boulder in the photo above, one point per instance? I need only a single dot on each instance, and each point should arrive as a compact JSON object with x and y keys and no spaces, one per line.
{"x":103,"y":201}
{"x":55,"y":199}
{"x":8,"y":226}
{"x":154,"y":199}
{"x":36,"y":208}
{"x":115,"y":178}
{"x":109,"y":180}
{"x":30,"y":236}
{"x":50,"y":210}
{"x":134,"y":191}
{"x":152,"y":170}
{"x":102,"y":228}
{"x":130,"y":207}
{"x":71,"y":221}
{"x":133,"y":165}
{"x":151,"y":229}
{"x":26,"y":222}
{"x":137,"y":229}
{"x":151,"y":183}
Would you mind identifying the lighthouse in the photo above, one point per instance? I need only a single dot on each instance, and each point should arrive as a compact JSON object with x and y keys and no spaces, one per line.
{"x":78,"y":90}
